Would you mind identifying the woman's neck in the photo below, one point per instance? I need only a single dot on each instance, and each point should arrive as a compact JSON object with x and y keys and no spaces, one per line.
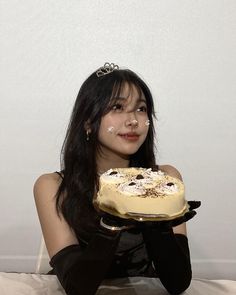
{"x":106,"y":162}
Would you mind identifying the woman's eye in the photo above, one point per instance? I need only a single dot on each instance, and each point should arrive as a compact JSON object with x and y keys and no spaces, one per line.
{"x":142,"y":109}
{"x":117,"y":107}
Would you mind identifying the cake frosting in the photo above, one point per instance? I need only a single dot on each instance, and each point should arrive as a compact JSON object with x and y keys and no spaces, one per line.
{"x":141,"y":193}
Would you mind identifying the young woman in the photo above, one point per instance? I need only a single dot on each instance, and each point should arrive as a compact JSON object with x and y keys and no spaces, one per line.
{"x":111,"y":126}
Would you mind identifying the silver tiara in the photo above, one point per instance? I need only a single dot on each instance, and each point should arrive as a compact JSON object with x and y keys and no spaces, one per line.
{"x":107,"y":69}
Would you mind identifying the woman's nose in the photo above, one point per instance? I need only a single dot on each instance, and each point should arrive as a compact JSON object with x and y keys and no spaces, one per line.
{"x":131,"y":121}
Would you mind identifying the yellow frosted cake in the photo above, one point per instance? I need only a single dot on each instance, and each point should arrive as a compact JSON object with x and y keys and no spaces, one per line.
{"x":141,"y":193}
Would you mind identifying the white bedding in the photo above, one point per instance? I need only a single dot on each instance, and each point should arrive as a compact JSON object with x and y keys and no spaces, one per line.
{"x":36,"y":284}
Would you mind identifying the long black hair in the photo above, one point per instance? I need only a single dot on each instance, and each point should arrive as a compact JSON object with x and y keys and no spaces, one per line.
{"x":78,"y":157}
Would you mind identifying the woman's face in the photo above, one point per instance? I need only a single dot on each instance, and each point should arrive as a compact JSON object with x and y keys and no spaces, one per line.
{"x":124,"y":128}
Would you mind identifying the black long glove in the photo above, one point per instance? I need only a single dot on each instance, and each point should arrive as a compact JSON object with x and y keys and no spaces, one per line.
{"x":81,"y":272}
{"x":170,"y":252}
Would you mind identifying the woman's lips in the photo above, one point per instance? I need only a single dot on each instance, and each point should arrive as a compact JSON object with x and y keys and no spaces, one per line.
{"x":130,"y":136}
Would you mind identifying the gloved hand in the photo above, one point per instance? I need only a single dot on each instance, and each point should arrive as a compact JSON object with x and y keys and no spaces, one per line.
{"x":188,"y":215}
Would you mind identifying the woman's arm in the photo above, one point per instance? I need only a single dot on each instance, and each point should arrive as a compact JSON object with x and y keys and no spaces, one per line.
{"x":57,"y":233}
{"x":79,"y":271}
{"x":169,"y":251}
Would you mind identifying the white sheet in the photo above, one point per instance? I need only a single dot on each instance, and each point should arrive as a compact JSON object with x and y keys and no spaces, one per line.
{"x":36,"y":284}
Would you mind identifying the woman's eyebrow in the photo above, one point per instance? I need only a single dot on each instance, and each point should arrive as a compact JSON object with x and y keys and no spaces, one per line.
{"x":119,"y":98}
{"x":141,"y":99}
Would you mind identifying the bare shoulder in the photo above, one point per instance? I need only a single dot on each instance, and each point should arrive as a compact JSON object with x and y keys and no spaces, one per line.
{"x":56,"y":231}
{"x":47,"y":184}
{"x":171,"y":170}
{"x":48,"y":178}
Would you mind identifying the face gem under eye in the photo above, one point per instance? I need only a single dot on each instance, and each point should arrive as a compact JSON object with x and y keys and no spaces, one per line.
{"x":110,"y":129}
{"x":132,"y":183}
{"x":147,"y":123}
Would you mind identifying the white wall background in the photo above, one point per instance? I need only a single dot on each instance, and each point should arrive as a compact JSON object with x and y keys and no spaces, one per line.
{"x":184,"y":50}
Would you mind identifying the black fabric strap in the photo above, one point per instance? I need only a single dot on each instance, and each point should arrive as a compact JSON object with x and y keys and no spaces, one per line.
{"x":81,"y":272}
{"x":60,"y":174}
{"x":171,"y":258}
